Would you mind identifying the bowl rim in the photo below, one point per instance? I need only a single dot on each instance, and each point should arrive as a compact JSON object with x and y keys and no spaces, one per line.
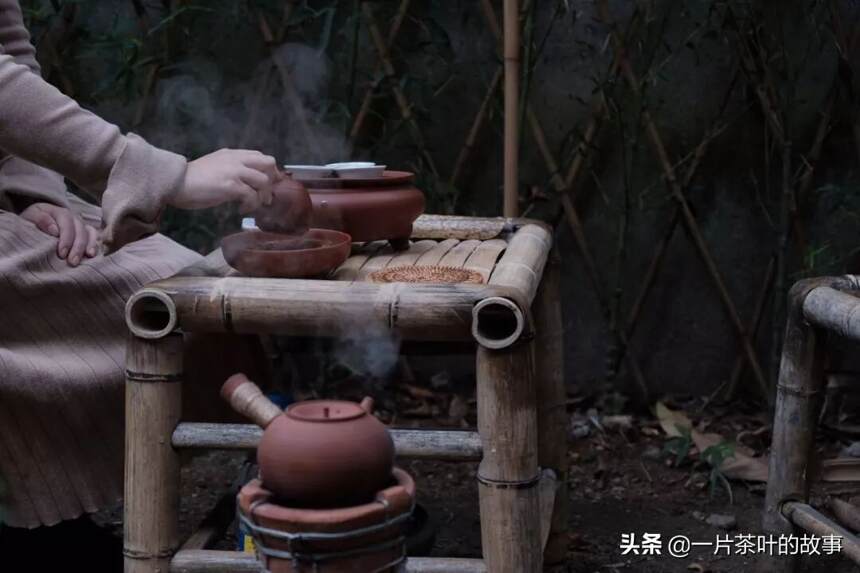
{"x":338,"y":238}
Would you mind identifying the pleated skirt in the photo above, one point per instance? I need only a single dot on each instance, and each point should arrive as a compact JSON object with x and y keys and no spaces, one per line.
{"x":62,"y":347}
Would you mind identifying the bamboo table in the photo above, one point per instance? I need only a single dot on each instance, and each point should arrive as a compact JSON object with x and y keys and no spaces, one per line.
{"x":817,"y":308}
{"x":514,"y":319}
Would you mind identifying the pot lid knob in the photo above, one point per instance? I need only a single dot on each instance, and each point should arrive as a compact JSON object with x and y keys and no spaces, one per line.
{"x":327,"y":410}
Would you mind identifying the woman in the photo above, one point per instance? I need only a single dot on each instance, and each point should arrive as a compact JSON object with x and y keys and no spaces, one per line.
{"x":61,"y":302}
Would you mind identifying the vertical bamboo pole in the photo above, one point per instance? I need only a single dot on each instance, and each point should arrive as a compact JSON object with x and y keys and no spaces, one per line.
{"x":551,"y":402}
{"x":798,"y":402}
{"x":508,"y":475}
{"x":152,"y":410}
{"x":512,"y":106}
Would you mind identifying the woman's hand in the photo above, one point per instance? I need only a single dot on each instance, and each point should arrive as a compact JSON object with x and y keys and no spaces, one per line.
{"x":75,"y":239}
{"x":228,"y":175}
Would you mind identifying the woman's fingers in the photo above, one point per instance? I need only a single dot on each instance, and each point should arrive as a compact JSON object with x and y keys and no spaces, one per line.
{"x":256,"y":179}
{"x":92,"y":241}
{"x":268,"y":167}
{"x":79,"y":245}
{"x":66,"y":222}
{"x":44,"y":221}
{"x":247,"y":197}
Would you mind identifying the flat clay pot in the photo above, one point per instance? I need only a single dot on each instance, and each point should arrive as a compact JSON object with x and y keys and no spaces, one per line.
{"x":368,"y":209}
{"x":326,"y":453}
{"x":391,"y":503}
{"x":263,"y":254}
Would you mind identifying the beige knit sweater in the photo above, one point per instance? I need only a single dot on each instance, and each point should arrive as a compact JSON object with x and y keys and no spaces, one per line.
{"x":41,"y":129}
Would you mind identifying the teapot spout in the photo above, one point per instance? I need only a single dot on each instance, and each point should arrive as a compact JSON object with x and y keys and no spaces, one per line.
{"x":246,"y":398}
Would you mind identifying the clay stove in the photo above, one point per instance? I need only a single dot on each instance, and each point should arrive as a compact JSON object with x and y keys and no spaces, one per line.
{"x":329,"y":499}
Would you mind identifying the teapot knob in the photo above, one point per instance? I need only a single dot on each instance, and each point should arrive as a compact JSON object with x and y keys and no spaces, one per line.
{"x":367,"y":405}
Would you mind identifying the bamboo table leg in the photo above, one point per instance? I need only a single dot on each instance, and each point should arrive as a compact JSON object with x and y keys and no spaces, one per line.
{"x":152,"y":410}
{"x":508,"y":474}
{"x":797,"y":405}
{"x":551,"y":399}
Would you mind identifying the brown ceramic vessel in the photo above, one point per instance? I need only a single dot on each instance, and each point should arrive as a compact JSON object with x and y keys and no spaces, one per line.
{"x":326,"y":453}
{"x":262,"y":254}
{"x":367,"y":209}
{"x":290,"y":210}
{"x":390,"y":505}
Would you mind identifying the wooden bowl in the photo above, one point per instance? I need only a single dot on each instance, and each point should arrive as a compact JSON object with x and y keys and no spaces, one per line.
{"x":262,"y":254}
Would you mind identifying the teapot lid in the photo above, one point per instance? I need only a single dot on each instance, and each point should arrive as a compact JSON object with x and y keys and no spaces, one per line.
{"x":325,"y":411}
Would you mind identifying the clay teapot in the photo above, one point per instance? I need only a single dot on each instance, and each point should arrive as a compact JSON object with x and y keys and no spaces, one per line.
{"x":290,"y":210}
{"x":317,"y":453}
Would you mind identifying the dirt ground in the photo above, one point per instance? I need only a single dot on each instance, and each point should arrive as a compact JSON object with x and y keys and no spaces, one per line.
{"x":621,"y":480}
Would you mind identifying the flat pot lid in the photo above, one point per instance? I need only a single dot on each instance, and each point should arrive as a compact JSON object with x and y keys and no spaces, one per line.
{"x":325,"y":411}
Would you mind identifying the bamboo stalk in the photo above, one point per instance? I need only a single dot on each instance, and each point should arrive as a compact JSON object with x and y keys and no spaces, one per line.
{"x":261,"y":88}
{"x":662,"y":247}
{"x":796,"y":413}
{"x":777,"y":314}
{"x":477,"y":123}
{"x":399,"y":96}
{"x":562,"y":186}
{"x":508,"y":475}
{"x":152,"y":410}
{"x":291,"y":94}
{"x":688,"y":218}
{"x":552,"y":413}
{"x":512,"y":105}
{"x":753,"y":327}
{"x":367,"y":101}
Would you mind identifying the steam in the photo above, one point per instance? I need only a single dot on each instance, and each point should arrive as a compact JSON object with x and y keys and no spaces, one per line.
{"x":283,"y":109}
{"x":370,"y":351}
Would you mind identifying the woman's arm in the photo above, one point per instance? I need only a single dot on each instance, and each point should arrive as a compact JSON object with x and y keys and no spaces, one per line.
{"x":135,"y":180}
{"x":23,"y":183}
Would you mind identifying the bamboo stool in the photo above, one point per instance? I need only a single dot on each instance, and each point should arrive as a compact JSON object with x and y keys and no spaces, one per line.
{"x":816,"y":308}
{"x":514,"y":318}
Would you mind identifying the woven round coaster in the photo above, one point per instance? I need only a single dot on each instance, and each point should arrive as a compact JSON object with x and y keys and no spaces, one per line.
{"x":426,"y":274}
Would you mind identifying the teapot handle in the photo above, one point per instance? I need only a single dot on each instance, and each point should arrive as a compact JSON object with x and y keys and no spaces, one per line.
{"x":246,"y":398}
{"x":367,"y":405}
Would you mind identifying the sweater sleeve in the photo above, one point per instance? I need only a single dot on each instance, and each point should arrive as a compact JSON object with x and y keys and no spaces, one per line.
{"x":39,"y":124}
{"x":23,"y":182}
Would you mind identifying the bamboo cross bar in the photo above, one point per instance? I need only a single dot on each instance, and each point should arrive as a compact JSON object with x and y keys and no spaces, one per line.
{"x":209,"y":561}
{"x":521,"y":267}
{"x":809,"y":519}
{"x":833,"y":310}
{"x":421,"y":312}
{"x":446,"y":445}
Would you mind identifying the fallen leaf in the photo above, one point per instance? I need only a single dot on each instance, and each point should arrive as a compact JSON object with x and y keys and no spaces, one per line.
{"x":742,"y":465}
{"x":672,"y":421}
